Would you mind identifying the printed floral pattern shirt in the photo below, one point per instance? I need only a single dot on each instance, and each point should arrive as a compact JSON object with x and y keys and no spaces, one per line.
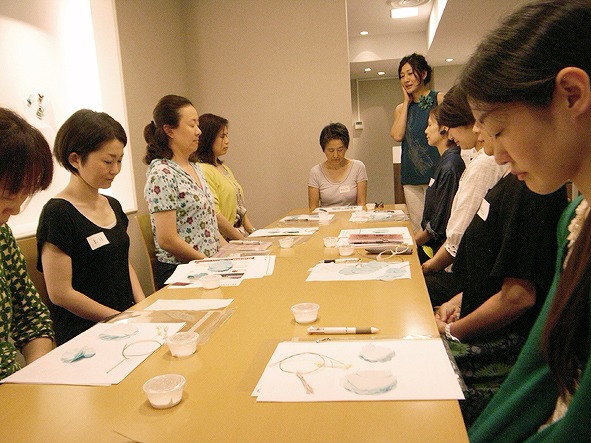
{"x":169,"y":188}
{"x":23,"y":316}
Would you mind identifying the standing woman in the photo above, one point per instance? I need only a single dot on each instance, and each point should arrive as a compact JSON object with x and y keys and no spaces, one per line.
{"x":182,"y":208}
{"x":338,"y":181}
{"x":233,"y":221}
{"x":25,"y":168}
{"x":529,"y":87}
{"x":82,"y":234}
{"x":410,"y":121}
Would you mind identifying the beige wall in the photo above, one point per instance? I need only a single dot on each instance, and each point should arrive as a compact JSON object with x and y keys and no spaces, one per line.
{"x":152,"y":36}
{"x":277,"y":69}
{"x":377,"y":100}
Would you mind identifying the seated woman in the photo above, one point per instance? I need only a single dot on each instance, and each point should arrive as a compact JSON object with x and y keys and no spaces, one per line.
{"x":441,"y":189}
{"x":233,"y":220}
{"x":82,"y":234}
{"x":337,"y":181}
{"x":504,"y":263}
{"x":481,"y":174}
{"x":26,"y":167}
{"x":182,"y":208}
{"x":535,"y":97}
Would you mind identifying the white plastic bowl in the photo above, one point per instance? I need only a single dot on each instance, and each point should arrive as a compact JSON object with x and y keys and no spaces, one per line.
{"x":324,"y":217}
{"x":346,"y":250}
{"x":182,"y":344}
{"x":286,"y":242}
{"x":330,"y":242}
{"x":305,"y":312}
{"x":165,"y":391}
{"x":211,"y":281}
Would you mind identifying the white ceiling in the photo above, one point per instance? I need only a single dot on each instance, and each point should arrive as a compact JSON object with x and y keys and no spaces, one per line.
{"x":462,"y":24}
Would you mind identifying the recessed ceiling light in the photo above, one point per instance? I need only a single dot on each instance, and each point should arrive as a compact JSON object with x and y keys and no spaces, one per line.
{"x":405,"y":3}
{"x":404,"y":12}
{"x":449,"y":60}
{"x":367,"y":69}
{"x":381,"y":73}
{"x":364,"y":32}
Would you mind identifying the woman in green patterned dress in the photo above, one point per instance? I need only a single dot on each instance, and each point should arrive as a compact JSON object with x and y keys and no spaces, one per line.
{"x":25,"y":168}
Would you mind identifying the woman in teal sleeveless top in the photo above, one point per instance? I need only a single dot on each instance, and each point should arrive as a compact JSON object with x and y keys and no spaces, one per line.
{"x":410,"y":121}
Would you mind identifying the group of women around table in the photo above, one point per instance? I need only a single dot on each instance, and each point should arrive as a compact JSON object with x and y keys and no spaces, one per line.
{"x":515,"y":307}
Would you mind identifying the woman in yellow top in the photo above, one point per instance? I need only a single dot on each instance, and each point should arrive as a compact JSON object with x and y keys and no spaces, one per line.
{"x":233,"y":221}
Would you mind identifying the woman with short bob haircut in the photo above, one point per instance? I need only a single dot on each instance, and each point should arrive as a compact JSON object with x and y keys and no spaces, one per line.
{"x":82,"y":234}
{"x":25,"y":168}
{"x":528,"y":84}
{"x":338,"y":181}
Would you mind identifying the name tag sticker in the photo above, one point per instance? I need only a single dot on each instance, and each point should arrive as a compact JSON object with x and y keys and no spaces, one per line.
{"x":344,"y":188}
{"x":483,"y":210}
{"x":431,"y":182}
{"x":97,"y":240}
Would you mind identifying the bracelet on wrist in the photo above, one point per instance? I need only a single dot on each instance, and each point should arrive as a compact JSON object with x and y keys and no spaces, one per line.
{"x":449,"y":335}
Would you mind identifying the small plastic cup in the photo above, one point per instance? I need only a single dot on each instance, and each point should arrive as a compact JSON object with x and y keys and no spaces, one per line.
{"x":370,"y":206}
{"x":346,"y":250}
{"x":211,"y":281}
{"x":324,"y":217}
{"x":330,"y":242}
{"x":305,"y":312}
{"x":165,"y":391}
{"x":182,"y":344}
{"x":286,"y":242}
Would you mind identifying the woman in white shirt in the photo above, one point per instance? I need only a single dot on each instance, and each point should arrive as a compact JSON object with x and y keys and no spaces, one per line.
{"x":338,"y":181}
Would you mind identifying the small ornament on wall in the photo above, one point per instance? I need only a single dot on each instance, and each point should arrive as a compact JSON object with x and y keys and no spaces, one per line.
{"x":40,"y":111}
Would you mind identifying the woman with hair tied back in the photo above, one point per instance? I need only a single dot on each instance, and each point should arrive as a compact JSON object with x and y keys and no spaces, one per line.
{"x":82,"y":234}
{"x":231,"y":214}
{"x":182,"y":208}
{"x":25,"y":168}
{"x":338,"y":181}
{"x":441,"y":190}
{"x":410,"y":121}
{"x":528,"y":84}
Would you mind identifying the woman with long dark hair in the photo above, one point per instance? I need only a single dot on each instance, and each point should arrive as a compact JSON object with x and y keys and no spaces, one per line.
{"x":410,"y":121}
{"x":528,"y":84}
{"x":233,"y":220}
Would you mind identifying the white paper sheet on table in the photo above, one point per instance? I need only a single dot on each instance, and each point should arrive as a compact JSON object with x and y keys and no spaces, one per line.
{"x":185,"y":275}
{"x":377,"y":216}
{"x":422,"y":369}
{"x":332,"y":272}
{"x":274,"y":232}
{"x":406,"y":236}
{"x":106,"y":367}
{"x":194,"y":304}
{"x":305,"y":217}
{"x":339,"y":209}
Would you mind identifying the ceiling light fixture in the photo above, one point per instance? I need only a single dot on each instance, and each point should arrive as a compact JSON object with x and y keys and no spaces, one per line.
{"x":404,"y":12}
{"x":405,"y":3}
{"x":364,"y":33}
{"x":381,"y":73}
{"x":449,"y":60}
{"x":367,"y":69}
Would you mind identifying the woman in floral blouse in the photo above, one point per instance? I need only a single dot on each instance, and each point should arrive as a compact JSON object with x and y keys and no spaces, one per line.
{"x":182,"y":208}
{"x":25,"y":168}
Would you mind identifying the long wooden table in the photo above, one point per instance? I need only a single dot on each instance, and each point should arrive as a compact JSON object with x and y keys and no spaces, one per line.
{"x":217,"y":404}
